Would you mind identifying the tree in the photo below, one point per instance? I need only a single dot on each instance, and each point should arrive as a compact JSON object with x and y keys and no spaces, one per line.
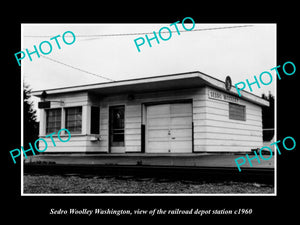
{"x":31,"y":126}
{"x":268,"y":117}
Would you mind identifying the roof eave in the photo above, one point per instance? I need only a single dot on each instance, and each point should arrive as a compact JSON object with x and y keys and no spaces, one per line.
{"x":191,"y":79}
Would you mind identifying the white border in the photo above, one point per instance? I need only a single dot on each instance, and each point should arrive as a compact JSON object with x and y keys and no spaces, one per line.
{"x":275,"y":118}
{"x":22,"y":113}
{"x":156,"y":194}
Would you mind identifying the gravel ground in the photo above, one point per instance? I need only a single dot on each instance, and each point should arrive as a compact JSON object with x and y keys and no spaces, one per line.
{"x":94,"y":184}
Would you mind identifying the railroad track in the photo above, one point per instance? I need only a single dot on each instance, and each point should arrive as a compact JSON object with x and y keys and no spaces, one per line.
{"x":207,"y":174}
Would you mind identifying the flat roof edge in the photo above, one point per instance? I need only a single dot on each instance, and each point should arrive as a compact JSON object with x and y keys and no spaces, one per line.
{"x":209,"y":81}
{"x":87,"y":87}
{"x":218,"y":84}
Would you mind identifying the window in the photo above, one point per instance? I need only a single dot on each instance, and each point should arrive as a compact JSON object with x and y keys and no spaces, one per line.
{"x":95,"y":120}
{"x":73,"y":119}
{"x":53,"y":120}
{"x":237,"y":112}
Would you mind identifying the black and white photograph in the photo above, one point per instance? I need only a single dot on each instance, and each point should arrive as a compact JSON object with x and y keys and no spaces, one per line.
{"x":134,"y":117}
{"x":149,"y":108}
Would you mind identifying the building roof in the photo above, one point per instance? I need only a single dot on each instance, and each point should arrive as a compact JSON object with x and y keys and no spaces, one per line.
{"x":157,"y":83}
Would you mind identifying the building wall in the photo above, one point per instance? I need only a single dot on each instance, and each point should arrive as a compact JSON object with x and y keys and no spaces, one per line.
{"x":213,"y":130}
{"x":223,"y":134}
{"x":78,"y":142}
{"x":134,"y":113}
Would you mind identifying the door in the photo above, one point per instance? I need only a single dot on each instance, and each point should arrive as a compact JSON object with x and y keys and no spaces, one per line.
{"x":116,"y":129}
{"x":169,"y":128}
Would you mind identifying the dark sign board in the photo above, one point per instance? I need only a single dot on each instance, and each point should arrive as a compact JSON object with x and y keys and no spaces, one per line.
{"x":44,"y":105}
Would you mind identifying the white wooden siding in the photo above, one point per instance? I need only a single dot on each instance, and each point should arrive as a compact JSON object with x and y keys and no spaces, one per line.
{"x":78,"y":142}
{"x":133,"y":114}
{"x":213,"y":130}
{"x":224,"y":134}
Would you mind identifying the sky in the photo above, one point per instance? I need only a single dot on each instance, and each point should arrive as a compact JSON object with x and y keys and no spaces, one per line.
{"x":239,"y":53}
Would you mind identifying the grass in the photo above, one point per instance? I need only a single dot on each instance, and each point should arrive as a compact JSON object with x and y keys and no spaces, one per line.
{"x":129,"y":185}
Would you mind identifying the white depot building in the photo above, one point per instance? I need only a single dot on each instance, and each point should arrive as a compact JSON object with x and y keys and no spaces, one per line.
{"x":180,"y":113}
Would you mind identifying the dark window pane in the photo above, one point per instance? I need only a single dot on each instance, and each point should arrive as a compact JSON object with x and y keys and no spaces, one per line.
{"x":53,"y":120}
{"x":237,"y":112}
{"x":118,"y":137}
{"x":73,"y":119}
{"x":95,"y":120}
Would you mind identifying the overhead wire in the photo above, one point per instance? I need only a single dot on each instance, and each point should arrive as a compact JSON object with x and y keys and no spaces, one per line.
{"x":142,"y":33}
{"x":125,"y":34}
{"x":76,"y":68}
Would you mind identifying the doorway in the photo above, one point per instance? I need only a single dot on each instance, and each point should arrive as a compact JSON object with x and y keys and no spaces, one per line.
{"x":169,"y":128}
{"x":116,"y":129}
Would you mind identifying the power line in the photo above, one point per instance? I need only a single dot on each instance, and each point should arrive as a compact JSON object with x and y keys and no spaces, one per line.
{"x":77,"y":68}
{"x":128,"y":34}
{"x":106,"y":35}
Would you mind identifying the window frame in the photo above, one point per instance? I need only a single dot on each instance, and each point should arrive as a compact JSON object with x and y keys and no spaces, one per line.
{"x":47,"y":120}
{"x":235,"y":116}
{"x":66,"y":119}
